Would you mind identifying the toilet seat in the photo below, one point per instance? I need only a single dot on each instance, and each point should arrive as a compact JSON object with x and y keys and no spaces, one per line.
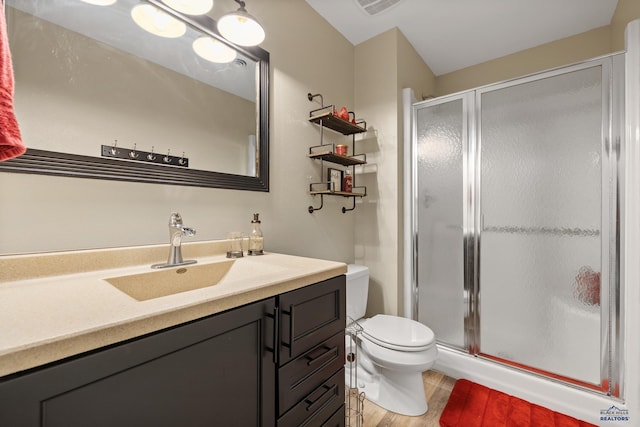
{"x":401,"y":361}
{"x":398,"y":333}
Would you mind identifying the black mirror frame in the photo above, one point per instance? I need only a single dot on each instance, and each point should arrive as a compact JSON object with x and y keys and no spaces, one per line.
{"x":45,"y":162}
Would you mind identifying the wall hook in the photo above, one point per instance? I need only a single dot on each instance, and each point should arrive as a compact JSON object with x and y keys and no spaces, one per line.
{"x":144,"y":156}
{"x":182,"y":160}
{"x":151,"y":156}
{"x":133,"y":154}
{"x":114,"y":150}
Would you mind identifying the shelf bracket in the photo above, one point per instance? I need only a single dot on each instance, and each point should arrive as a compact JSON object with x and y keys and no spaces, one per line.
{"x":345,"y":210}
{"x":310,"y":97}
{"x":312,"y":209}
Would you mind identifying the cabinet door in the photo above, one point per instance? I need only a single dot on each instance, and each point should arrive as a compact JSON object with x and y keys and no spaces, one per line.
{"x":214,"y":371}
{"x":310,"y":315}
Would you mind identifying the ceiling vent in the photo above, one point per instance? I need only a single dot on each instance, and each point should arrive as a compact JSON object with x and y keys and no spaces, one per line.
{"x":374,"y":7}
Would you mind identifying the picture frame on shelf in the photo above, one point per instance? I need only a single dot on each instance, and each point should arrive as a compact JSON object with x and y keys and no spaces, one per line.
{"x":334,"y":178}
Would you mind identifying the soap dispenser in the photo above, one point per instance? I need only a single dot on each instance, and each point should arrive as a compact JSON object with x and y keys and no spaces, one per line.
{"x":256,"y":241}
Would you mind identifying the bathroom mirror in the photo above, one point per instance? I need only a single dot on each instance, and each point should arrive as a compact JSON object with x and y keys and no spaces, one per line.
{"x":96,"y":96}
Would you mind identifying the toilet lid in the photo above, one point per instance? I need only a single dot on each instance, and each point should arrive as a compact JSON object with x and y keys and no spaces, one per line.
{"x":398,"y":333}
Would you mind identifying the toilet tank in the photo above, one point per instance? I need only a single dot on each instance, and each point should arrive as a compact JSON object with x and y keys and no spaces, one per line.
{"x":357,"y":291}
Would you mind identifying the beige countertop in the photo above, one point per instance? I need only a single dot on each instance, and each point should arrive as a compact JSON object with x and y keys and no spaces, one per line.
{"x":57,"y":305}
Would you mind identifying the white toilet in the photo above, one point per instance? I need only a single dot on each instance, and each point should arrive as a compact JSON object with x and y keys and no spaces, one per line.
{"x":392,"y":352}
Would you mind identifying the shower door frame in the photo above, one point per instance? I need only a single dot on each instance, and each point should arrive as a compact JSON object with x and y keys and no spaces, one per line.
{"x":611,"y":369}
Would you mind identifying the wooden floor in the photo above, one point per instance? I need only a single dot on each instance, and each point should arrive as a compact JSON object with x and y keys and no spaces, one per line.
{"x":437,"y":388}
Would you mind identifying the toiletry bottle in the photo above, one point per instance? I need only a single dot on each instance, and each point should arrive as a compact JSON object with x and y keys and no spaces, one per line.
{"x":347,"y":185}
{"x":256,"y":241}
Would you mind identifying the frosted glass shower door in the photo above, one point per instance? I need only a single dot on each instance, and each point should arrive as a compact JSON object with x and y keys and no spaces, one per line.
{"x":541,"y":216}
{"x":440,"y":135}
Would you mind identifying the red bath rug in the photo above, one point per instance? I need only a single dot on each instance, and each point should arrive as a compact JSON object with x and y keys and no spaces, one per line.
{"x":474,"y":405}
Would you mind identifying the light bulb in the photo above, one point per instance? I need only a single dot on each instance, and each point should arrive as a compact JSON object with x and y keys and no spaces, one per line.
{"x":213,"y":50}
{"x":157,"y":21}
{"x":100,"y":2}
{"x":190,"y":7}
{"x":241,"y":28}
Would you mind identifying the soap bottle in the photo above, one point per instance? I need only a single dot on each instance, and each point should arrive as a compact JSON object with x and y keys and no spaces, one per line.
{"x":256,"y":241}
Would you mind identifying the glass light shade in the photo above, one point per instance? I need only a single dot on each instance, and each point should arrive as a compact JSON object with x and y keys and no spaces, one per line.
{"x":241,"y":28}
{"x":213,"y":50}
{"x":157,"y":22}
{"x":190,"y":7}
{"x":100,"y":2}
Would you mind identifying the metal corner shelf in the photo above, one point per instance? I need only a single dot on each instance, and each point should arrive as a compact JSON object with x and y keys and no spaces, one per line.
{"x":330,"y":156}
{"x":338,"y":193}
{"x":325,"y":118}
{"x":328,"y":192}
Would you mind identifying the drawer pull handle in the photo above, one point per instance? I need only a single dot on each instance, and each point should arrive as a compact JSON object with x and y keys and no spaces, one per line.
{"x":289,"y":344}
{"x":328,"y":391}
{"x":312,"y":360}
{"x":276,"y":333}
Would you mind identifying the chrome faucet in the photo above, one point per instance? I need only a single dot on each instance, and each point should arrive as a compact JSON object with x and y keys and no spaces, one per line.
{"x":176,"y":231}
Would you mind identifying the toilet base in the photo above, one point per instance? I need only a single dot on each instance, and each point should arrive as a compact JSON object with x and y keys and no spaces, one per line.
{"x":399,"y":392}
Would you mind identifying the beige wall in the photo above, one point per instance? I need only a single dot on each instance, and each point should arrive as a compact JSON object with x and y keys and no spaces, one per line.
{"x":376,"y":100}
{"x":412,"y":71}
{"x":626,"y":11}
{"x":571,"y":49}
{"x":384,"y":65}
{"x":42,"y":213}
{"x":597,"y":42}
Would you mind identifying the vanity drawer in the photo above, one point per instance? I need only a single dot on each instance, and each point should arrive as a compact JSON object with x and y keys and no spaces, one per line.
{"x":311,"y":315}
{"x":320,"y":406}
{"x":302,"y":376}
{"x":338,"y":419}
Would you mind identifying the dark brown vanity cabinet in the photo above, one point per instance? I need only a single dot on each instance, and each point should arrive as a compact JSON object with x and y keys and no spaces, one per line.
{"x":217,"y":371}
{"x":311,"y":357}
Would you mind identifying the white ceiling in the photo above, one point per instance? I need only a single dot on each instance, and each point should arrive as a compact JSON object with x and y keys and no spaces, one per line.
{"x":454,"y":34}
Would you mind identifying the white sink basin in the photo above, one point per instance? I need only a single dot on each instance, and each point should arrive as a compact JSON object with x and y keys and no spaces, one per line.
{"x":160,"y":283}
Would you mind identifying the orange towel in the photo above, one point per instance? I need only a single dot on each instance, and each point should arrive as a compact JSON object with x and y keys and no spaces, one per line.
{"x":10,"y":140}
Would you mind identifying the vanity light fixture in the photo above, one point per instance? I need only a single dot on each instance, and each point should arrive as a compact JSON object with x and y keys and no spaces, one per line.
{"x":100,"y":2}
{"x":241,"y":28}
{"x":157,"y":21}
{"x":213,"y":50}
{"x":190,"y":7}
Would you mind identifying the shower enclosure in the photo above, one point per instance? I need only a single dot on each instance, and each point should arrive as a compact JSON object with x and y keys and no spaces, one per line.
{"x":515,"y":222}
